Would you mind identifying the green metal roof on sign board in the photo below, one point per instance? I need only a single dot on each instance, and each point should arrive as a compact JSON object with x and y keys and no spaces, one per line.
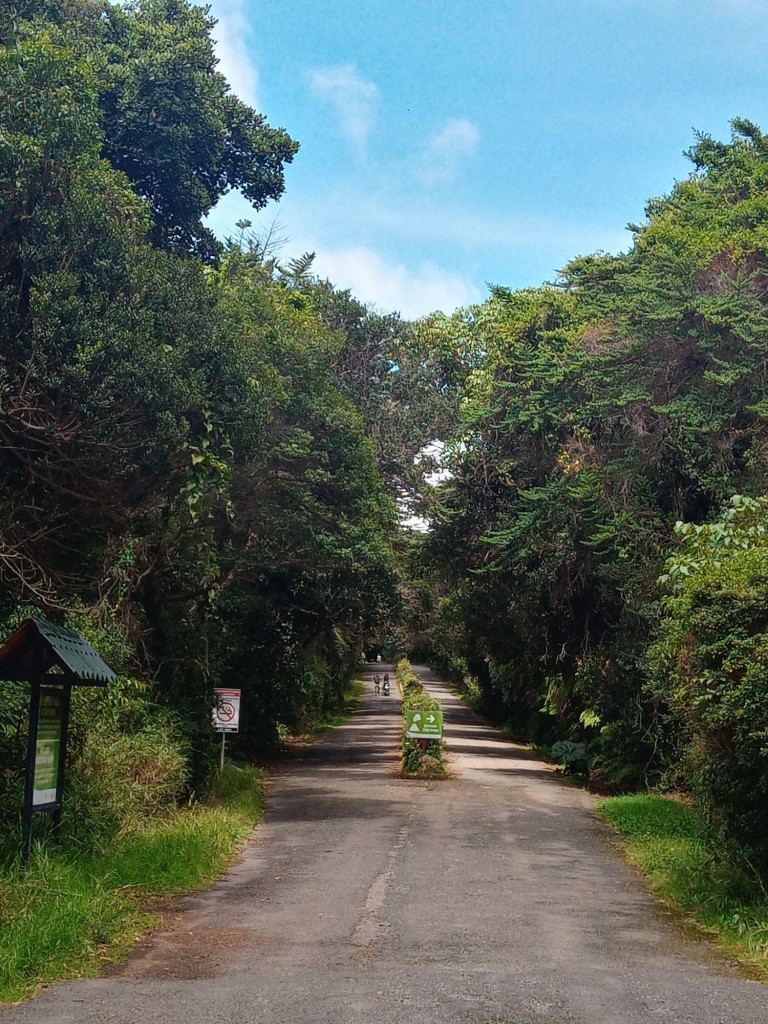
{"x":39,"y":646}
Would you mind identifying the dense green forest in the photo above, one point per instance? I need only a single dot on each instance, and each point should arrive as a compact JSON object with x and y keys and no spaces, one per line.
{"x":209,"y":454}
{"x":606,"y":418}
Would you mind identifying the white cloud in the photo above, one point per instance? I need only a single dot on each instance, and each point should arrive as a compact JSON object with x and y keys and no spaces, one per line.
{"x":413,"y":292}
{"x":528,"y":249}
{"x":353,"y":99}
{"x":348,"y":213}
{"x":443,"y":154}
{"x":232,"y":48}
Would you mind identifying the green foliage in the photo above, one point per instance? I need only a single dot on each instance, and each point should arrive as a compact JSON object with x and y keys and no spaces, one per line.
{"x":710,"y":665}
{"x":598,"y":412}
{"x":100,"y":900}
{"x":667,"y":840}
{"x":572,"y":756}
{"x":179,"y":454}
{"x":741,"y":527}
{"x":407,"y":678}
{"x":119,"y":783}
{"x":404,"y":378}
{"x":168,"y":119}
{"x":127,"y":767}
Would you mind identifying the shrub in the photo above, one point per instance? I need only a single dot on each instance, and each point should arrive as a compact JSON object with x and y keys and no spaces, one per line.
{"x":570,"y":755}
{"x":710,"y":664}
{"x":127,"y":765}
{"x":407,"y":678}
{"x":120,"y":782}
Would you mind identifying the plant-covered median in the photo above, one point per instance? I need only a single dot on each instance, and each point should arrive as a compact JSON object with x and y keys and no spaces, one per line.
{"x":667,"y":839}
{"x":424,"y":759}
{"x":72,"y":911}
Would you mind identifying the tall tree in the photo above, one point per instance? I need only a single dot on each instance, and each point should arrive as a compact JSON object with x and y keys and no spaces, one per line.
{"x":169,"y":119}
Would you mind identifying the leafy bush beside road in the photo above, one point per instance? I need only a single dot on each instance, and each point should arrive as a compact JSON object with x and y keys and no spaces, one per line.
{"x":710,"y":667}
{"x":598,"y":413}
{"x":127,"y":769}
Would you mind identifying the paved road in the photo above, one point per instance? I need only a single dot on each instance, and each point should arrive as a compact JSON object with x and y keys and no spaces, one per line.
{"x":493,"y":898}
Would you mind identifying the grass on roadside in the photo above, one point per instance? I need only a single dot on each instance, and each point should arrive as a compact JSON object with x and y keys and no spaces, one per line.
{"x":468,"y":691}
{"x":68,"y":914}
{"x":352,"y":698}
{"x":665,"y":838}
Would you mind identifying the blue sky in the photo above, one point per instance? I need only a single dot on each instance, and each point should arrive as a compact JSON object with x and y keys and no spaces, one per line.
{"x":445,"y":146}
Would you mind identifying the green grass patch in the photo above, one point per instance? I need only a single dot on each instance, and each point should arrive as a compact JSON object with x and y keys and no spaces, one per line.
{"x":351,"y":702}
{"x":68,"y":914}
{"x":667,"y":840}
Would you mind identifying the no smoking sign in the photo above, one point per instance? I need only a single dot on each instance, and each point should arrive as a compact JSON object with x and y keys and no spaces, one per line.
{"x":226,"y":711}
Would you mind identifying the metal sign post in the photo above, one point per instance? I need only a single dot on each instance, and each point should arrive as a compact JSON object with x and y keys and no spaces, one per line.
{"x":226,"y":716}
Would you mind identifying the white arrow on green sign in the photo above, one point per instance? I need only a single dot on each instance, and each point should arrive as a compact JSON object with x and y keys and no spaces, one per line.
{"x":424,"y":725}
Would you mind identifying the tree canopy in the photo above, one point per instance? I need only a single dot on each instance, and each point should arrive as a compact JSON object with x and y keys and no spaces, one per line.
{"x":168,"y":118}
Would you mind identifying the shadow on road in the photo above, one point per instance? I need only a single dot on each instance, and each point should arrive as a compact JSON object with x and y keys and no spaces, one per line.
{"x":321,"y":804}
{"x":476,"y":747}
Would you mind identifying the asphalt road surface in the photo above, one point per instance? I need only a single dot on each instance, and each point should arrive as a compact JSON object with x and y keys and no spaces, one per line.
{"x":492,"y":898}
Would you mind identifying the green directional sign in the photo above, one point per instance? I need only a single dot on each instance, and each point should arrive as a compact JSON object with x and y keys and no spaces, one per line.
{"x":424,"y":725}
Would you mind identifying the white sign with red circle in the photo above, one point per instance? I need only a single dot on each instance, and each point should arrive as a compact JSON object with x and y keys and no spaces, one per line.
{"x":226,"y":711}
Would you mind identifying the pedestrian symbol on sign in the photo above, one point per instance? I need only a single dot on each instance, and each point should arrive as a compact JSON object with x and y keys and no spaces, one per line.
{"x":424,"y":725}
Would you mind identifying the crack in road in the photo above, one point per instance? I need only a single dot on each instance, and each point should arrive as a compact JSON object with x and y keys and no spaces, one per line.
{"x":373,"y":926}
